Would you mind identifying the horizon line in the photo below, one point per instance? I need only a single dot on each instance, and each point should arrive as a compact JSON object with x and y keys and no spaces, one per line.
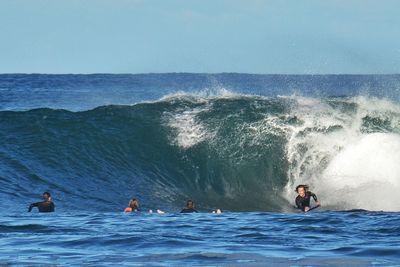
{"x":203,"y":73}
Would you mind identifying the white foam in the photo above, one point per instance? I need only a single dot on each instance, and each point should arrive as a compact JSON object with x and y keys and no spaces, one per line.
{"x":338,"y":163}
{"x":201,"y":96}
{"x":364,"y":175}
{"x":189,"y":130}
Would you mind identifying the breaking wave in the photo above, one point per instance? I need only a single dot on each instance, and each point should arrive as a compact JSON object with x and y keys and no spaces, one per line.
{"x":233,"y":151}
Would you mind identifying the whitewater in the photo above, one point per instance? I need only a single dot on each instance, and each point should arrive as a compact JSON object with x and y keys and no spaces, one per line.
{"x":232,"y":141}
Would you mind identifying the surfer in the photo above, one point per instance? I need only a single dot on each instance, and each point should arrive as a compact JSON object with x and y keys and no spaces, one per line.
{"x":189,"y":207}
{"x":46,"y":205}
{"x":133,"y":205}
{"x":304,"y":197}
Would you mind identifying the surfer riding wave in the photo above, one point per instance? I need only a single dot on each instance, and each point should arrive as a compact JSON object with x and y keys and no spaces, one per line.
{"x":304,"y":197}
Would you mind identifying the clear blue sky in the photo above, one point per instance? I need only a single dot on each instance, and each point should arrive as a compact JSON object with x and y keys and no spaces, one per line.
{"x":250,"y":36}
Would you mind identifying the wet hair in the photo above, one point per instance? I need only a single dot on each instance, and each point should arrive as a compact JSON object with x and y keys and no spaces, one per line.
{"x":47,"y":194}
{"x":301,"y":185}
{"x":190,"y":204}
{"x":134,"y":204}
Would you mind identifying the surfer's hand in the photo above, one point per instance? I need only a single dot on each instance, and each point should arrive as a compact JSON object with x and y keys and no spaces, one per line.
{"x":317,"y":203}
{"x":306,"y":209}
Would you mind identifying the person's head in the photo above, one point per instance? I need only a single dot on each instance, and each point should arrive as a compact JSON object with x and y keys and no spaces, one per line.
{"x":301,"y":190}
{"x":46,"y":196}
{"x":190,"y":204}
{"x":134,"y":204}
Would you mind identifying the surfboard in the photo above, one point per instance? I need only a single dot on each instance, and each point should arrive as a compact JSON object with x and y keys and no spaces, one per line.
{"x":313,"y":208}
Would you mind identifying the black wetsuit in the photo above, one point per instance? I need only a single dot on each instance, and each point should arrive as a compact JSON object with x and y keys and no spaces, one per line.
{"x":303,"y":202}
{"x":188,"y":210}
{"x":43,"y":206}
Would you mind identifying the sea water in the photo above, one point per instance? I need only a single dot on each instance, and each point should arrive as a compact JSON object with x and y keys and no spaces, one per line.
{"x":232,"y":141}
{"x":328,"y":238}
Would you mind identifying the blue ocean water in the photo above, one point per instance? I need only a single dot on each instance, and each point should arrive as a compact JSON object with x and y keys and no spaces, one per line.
{"x":239,"y":142}
{"x":231,"y":239}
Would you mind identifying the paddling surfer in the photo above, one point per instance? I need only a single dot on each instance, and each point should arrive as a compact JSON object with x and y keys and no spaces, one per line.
{"x":46,"y":205}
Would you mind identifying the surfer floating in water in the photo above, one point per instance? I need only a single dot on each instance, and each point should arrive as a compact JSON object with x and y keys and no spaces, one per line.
{"x":46,"y":205}
{"x":189,"y":207}
{"x":304,"y":197}
{"x":133,"y":206}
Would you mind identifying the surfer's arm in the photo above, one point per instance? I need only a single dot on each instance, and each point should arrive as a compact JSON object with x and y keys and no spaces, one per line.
{"x":314,"y":196}
{"x":32,"y":206}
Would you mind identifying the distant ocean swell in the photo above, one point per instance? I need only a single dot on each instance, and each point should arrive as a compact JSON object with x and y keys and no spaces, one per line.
{"x":237,"y":152}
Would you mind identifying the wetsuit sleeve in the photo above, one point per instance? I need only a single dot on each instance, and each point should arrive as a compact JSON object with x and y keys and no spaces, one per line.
{"x":33,"y":205}
{"x":314,"y":196}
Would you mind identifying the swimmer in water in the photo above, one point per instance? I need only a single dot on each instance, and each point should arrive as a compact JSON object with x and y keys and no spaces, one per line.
{"x":46,"y":205}
{"x":304,"y":197}
{"x":133,"y":206}
{"x":189,"y":207}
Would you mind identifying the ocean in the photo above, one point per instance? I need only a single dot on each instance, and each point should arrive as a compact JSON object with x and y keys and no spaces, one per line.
{"x":238,"y":142}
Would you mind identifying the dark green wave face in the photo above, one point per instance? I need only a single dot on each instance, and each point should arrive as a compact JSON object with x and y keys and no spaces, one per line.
{"x":238,"y":153}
